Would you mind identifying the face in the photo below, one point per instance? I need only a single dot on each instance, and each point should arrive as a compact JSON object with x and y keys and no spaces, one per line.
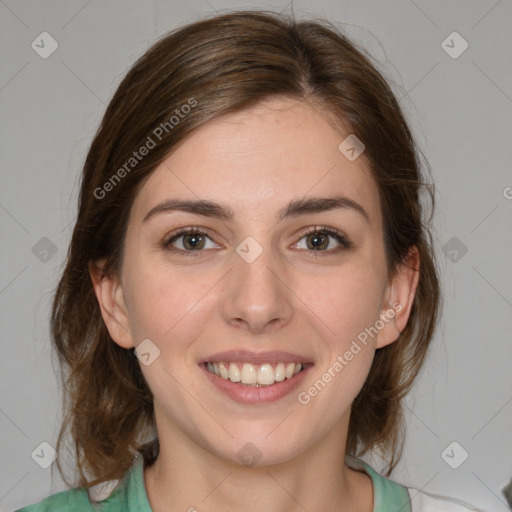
{"x":282,"y":272}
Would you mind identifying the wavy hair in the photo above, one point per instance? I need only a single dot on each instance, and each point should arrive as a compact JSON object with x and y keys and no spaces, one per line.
{"x":227,"y":63}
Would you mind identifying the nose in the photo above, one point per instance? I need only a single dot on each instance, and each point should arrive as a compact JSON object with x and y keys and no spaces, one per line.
{"x":258,"y":298}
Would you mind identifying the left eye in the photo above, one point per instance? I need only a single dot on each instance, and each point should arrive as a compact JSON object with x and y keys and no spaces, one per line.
{"x":319,"y":239}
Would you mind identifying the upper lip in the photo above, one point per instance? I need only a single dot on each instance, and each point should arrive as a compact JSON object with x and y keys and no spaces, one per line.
{"x":246,"y":356}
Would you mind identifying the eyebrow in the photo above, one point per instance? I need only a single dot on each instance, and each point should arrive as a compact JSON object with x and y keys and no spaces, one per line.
{"x":295,"y":208}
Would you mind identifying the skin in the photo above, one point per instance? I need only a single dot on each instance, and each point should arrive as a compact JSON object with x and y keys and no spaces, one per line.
{"x":192,"y":307}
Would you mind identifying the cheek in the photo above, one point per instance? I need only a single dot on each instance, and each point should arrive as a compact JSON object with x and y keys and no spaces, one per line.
{"x":166,"y":303}
{"x":345,"y":301}
{"x":344,"y":312}
{"x":344,"y":307}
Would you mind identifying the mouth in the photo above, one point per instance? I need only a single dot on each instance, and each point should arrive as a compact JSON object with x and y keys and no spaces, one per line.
{"x":255,"y":378}
{"x":247,"y":374}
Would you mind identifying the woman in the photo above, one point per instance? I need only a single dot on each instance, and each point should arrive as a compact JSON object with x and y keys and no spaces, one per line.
{"x":250,"y":288}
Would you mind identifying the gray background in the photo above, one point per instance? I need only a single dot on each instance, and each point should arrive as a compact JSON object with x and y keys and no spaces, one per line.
{"x":460,"y":110}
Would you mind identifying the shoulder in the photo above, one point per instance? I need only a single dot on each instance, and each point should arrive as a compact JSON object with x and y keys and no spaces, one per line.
{"x":80,"y":499}
{"x":389,"y":494}
{"x":71,"y":500}
{"x":125,"y":495}
{"x":425,"y":502}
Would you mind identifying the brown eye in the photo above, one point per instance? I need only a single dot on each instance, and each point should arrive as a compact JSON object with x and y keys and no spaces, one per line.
{"x":189,"y":241}
{"x":193,"y":241}
{"x":319,"y":239}
{"x":316,"y":241}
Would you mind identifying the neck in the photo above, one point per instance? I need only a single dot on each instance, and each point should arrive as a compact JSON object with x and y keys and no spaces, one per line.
{"x":187,"y":477}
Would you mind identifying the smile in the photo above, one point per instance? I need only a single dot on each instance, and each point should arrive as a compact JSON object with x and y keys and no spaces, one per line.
{"x":255,"y":378}
{"x":254,"y":375}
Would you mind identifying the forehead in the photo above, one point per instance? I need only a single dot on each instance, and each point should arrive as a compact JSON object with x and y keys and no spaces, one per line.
{"x":259,"y":159}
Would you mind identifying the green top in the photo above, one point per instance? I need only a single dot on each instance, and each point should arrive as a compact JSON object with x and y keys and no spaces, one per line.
{"x":130,"y":495}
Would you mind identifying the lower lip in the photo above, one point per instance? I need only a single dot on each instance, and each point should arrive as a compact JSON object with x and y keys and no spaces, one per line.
{"x":253,"y":395}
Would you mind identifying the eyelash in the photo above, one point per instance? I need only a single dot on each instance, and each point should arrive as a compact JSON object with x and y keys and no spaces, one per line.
{"x":334,"y":233}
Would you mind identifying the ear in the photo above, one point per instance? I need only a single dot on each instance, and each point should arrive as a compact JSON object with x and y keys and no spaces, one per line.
{"x":109,"y":292}
{"x":400,"y":297}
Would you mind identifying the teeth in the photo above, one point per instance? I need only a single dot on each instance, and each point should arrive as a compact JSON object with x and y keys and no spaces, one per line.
{"x":223,"y":371}
{"x":249,"y":374}
{"x":234,"y":373}
{"x":266,"y":375}
{"x":255,"y":375}
{"x":279,"y":373}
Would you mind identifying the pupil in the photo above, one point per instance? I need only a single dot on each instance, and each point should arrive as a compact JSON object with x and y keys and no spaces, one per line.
{"x":317,"y":240}
{"x":193,"y":240}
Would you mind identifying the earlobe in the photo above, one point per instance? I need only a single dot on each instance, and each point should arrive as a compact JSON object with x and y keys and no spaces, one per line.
{"x":400,"y":297}
{"x":109,"y":293}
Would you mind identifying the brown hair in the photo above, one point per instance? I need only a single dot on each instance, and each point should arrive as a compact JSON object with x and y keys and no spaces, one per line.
{"x":220,"y":65}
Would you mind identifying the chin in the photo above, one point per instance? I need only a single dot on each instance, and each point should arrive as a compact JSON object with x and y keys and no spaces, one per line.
{"x":260,"y":446}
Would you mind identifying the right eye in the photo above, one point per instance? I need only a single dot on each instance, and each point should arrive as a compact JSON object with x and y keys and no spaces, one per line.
{"x":191,"y":239}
